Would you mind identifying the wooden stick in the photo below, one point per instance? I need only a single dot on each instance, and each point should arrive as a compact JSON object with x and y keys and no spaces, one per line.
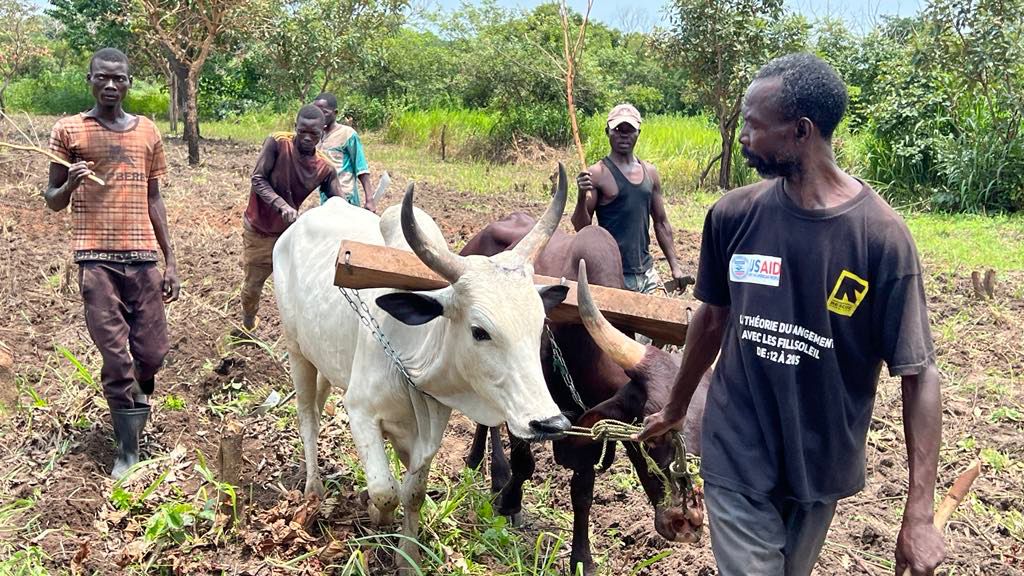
{"x":571,"y":54}
{"x":229,"y":462}
{"x":53,"y":158}
{"x":955,"y":495}
{"x":362,"y":266}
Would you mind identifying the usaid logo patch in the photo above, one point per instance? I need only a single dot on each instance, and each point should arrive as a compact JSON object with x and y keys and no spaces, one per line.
{"x":755,"y":269}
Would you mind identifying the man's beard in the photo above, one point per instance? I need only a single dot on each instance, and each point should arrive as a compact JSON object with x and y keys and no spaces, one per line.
{"x":771,"y":167}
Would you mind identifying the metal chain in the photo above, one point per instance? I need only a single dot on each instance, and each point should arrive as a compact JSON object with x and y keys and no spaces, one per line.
{"x":562,"y":368}
{"x":367,"y":319}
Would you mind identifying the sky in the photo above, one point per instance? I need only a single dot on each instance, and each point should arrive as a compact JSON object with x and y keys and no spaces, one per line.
{"x":641,"y":15}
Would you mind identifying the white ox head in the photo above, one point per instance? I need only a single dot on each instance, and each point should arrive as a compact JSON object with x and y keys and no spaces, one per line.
{"x":496,"y":316}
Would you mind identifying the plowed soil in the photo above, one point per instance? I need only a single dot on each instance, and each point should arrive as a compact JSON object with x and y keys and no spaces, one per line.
{"x":56,"y":437}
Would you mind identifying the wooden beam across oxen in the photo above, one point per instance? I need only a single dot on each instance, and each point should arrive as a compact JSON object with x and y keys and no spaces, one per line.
{"x":660,"y":318}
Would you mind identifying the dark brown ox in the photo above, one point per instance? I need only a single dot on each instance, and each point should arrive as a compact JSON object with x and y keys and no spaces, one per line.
{"x":616,"y":378}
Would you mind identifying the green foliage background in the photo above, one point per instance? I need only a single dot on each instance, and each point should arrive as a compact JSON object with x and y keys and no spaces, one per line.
{"x":934,"y":121}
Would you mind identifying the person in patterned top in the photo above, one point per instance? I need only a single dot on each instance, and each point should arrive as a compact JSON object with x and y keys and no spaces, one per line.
{"x":342,"y":144}
{"x":119,"y":228}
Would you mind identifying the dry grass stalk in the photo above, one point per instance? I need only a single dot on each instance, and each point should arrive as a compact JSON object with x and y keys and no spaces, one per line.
{"x":53,"y":158}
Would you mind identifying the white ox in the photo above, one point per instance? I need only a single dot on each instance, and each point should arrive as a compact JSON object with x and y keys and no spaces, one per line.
{"x":473,"y":346}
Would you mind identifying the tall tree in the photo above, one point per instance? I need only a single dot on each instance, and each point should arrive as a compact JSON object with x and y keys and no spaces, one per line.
{"x":88,"y":25}
{"x":187,"y":32}
{"x":719,"y":44}
{"x":21,"y":41}
{"x":316,"y":44}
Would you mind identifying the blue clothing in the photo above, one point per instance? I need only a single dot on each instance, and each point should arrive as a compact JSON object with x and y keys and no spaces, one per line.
{"x":343,"y":147}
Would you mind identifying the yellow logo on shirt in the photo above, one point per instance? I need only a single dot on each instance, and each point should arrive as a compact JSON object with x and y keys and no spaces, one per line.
{"x":847,"y":294}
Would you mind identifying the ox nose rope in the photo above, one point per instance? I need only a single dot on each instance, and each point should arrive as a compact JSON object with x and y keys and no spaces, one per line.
{"x":678,"y":481}
{"x":368,"y":321}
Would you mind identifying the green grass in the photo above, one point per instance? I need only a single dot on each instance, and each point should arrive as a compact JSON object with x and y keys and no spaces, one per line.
{"x":252,"y":127}
{"x":476,"y":176}
{"x":965,"y":242}
{"x":466,"y":132}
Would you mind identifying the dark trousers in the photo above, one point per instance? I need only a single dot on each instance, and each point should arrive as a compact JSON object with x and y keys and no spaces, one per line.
{"x":124,"y":311}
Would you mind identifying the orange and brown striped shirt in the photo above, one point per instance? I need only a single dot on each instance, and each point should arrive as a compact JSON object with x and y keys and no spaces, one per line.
{"x":115,"y":217}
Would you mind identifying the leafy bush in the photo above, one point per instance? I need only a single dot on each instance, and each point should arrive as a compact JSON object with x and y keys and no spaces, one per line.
{"x":980,"y":169}
{"x":648,"y":100}
{"x":947,"y":108}
{"x":56,"y":93}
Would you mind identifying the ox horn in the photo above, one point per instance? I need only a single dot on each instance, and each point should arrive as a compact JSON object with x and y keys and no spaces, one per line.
{"x":625,"y":351}
{"x":438,"y":258}
{"x":534,"y":242}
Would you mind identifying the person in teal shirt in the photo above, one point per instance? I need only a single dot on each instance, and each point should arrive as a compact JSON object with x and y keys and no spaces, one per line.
{"x":341,"y":143}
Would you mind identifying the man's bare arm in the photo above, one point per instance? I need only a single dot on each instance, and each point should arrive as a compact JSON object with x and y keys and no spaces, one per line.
{"x":158,"y":216}
{"x":919,"y":545}
{"x":662,"y":227}
{"x":62,"y":182}
{"x":586,"y":197}
{"x":368,"y":203}
{"x":703,"y":341}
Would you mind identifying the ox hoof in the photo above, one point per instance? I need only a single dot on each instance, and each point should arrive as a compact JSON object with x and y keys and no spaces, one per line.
{"x":473,"y":462}
{"x":588,"y":567}
{"x":517,"y":520}
{"x":409,"y":563}
{"x":379,"y":517}
{"x":315,"y":486}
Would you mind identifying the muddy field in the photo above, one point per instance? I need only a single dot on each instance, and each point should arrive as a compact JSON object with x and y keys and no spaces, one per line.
{"x":57,"y":497}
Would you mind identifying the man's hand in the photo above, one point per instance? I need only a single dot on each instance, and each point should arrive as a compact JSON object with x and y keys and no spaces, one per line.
{"x":584,"y":183}
{"x":76,"y":173}
{"x":679,"y":282}
{"x":171,"y":285}
{"x":371,"y":206}
{"x":661,"y":423}
{"x":289,"y":215}
{"x":919,"y":548}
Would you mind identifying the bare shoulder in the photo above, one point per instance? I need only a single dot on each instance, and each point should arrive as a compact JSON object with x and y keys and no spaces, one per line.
{"x":652,"y":170}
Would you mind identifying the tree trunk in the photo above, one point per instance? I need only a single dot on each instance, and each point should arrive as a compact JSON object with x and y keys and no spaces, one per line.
{"x":191,"y":133}
{"x":172,"y":112}
{"x":725,"y":163}
{"x":181,"y":85}
{"x":3,"y":89}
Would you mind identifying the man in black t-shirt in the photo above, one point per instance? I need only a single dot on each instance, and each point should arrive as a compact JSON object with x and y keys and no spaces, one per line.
{"x":809,"y":281}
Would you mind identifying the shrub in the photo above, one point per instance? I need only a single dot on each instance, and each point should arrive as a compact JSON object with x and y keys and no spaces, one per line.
{"x":56,"y":93}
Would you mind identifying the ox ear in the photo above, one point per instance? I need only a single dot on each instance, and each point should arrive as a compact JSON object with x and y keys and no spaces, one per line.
{"x":552,"y":296}
{"x":412,"y":308}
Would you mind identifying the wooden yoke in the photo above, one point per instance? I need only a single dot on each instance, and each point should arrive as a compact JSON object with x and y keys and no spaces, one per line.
{"x":369,"y":266}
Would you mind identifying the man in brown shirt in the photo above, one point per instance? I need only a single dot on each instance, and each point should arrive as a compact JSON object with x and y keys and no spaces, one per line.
{"x":118,"y":228}
{"x":289,"y":168}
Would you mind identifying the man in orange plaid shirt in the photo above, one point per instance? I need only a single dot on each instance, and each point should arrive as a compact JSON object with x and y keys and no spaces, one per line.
{"x":118,"y":229}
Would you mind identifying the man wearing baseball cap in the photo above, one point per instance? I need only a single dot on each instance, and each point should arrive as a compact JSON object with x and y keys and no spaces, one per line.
{"x":625,"y":192}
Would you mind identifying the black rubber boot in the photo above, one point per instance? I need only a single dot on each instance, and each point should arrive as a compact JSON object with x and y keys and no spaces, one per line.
{"x":128,"y":424}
